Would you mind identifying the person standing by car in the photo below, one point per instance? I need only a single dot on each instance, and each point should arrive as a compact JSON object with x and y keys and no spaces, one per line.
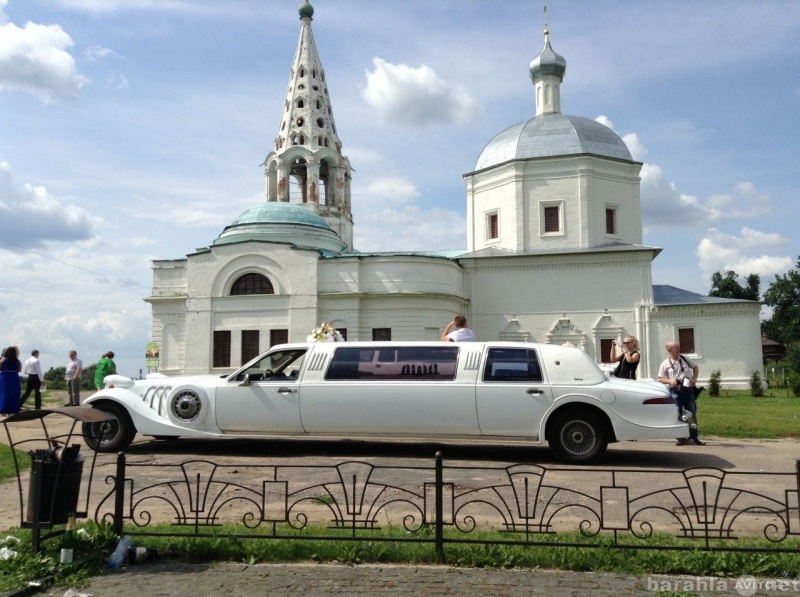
{"x":680,"y":376}
{"x":73,"y":378}
{"x":105,"y":366}
{"x":628,"y":359}
{"x":33,"y":369}
{"x":457,"y":331}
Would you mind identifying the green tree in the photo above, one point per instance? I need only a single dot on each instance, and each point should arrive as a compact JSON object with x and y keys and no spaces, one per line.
{"x":783,"y":295}
{"x":87,"y":377}
{"x":54,"y":377}
{"x":726,"y":285}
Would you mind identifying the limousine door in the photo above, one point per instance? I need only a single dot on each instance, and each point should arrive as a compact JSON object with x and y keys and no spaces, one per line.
{"x":512,"y":397}
{"x":264,"y":397}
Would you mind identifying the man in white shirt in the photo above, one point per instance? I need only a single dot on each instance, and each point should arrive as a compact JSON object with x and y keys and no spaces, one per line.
{"x":33,"y":369}
{"x":679,"y":374}
{"x":73,"y":378}
{"x":457,"y":331}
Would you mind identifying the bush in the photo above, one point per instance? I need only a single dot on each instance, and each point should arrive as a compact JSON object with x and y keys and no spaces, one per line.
{"x":756,"y":389}
{"x":794,"y":383}
{"x":715,"y":383}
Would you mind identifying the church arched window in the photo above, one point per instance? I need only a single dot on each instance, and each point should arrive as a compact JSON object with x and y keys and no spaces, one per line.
{"x":252,"y":284}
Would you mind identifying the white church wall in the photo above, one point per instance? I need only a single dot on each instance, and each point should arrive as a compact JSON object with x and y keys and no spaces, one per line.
{"x":727,"y":338}
{"x":390,"y":273}
{"x":169,"y":277}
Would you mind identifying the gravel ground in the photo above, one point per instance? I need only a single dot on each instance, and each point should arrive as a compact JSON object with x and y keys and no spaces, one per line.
{"x":173,"y":579}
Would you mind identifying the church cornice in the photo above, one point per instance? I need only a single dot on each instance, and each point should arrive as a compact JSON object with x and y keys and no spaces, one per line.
{"x":574,"y":156}
{"x":599,"y":258}
{"x":701,"y":310}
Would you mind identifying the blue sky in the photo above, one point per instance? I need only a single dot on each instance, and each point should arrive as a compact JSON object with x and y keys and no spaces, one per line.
{"x":133,"y":130}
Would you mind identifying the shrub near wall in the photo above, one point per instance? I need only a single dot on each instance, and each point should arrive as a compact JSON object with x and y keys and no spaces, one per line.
{"x":715,"y":383}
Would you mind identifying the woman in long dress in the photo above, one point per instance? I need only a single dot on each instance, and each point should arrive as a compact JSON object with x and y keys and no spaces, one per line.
{"x":10,"y":386}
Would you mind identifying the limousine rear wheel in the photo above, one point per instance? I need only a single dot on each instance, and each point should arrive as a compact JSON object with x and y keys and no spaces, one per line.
{"x":111,"y":435}
{"x":577,"y":436}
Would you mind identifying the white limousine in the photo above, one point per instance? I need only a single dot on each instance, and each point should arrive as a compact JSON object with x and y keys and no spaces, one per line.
{"x":486,"y":391}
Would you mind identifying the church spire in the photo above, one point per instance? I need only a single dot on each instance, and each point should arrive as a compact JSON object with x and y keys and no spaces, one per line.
{"x":547,"y":72}
{"x":306,"y":165}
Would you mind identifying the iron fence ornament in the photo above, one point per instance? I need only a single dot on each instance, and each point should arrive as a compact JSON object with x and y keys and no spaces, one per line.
{"x":529,"y":503}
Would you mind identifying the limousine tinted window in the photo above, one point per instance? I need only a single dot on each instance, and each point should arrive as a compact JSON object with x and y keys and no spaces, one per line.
{"x":400,"y":363}
{"x":512,"y":364}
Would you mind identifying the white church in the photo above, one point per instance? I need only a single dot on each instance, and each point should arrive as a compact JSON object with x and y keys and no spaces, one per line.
{"x":554,"y":252}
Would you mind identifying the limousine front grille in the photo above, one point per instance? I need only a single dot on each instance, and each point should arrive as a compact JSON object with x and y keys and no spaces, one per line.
{"x":156,"y":398}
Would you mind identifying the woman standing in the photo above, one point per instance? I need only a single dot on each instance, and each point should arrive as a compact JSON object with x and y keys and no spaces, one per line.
{"x":628,"y":358}
{"x":10,"y":386}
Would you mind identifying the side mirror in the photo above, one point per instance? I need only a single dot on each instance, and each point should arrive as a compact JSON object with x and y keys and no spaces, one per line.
{"x":245,"y":380}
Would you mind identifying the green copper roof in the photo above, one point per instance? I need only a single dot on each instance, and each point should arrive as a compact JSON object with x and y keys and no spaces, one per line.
{"x":306,"y":10}
{"x":280,"y":213}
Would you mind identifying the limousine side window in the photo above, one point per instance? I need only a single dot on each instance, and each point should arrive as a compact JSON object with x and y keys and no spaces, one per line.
{"x":402,"y":364}
{"x":512,"y":364}
{"x":275,"y":366}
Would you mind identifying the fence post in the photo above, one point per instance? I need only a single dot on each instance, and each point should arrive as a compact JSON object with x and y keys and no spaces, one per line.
{"x":119,"y":493}
{"x":439,"y":522}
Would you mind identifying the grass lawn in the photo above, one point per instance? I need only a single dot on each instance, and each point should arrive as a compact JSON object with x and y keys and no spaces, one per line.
{"x":737,"y":414}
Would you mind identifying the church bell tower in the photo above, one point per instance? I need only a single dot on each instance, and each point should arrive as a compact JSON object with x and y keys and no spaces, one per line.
{"x":306,"y":166}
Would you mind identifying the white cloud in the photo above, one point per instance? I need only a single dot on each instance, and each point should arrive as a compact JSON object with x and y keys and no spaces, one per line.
{"x":409,"y":228}
{"x":720,"y":251}
{"x":393,"y":188}
{"x":30,"y":215}
{"x":34,"y":59}
{"x":415,"y":97}
{"x":664,"y":205}
{"x":98,"y":53}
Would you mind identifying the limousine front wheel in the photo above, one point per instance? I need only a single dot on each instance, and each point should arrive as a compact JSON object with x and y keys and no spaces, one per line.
{"x":111,"y":435}
{"x":577,"y":436}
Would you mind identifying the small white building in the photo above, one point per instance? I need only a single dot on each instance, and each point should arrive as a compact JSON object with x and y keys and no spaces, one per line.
{"x":554,"y":252}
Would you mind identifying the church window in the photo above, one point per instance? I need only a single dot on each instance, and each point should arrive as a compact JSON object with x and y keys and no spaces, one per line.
{"x":301,"y":103}
{"x":250,"y":350}
{"x":314,"y":73}
{"x":301,"y":86}
{"x":283,"y":125}
{"x":605,"y":349}
{"x":278,"y":337}
{"x":319,"y":104}
{"x":552,"y":219}
{"x":300,"y":121}
{"x":286,"y":107}
{"x":302,"y":72}
{"x":222,"y":348}
{"x":252,"y":284}
{"x":492,"y":226}
{"x":686,"y":340}
{"x":320,"y":123}
{"x":316,"y":87}
{"x":381,"y":334}
{"x":611,"y":220}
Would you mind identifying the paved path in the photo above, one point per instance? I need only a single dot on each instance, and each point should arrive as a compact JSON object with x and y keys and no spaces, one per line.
{"x":309,"y":580}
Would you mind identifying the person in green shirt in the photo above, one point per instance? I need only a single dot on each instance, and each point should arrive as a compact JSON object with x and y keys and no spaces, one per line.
{"x":105,"y":367}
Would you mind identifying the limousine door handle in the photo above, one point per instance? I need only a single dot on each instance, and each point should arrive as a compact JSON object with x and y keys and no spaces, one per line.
{"x":285,"y":391}
{"x":535,"y":391}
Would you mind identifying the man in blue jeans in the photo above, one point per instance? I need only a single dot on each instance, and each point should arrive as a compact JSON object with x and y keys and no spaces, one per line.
{"x":680,"y":376}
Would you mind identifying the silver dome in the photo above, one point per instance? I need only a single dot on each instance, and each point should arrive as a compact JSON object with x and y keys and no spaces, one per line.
{"x":553,"y":135}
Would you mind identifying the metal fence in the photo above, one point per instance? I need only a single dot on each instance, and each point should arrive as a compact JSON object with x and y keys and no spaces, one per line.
{"x":443,"y":504}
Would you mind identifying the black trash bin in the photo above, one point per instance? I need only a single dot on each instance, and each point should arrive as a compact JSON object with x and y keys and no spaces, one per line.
{"x":59,"y":489}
